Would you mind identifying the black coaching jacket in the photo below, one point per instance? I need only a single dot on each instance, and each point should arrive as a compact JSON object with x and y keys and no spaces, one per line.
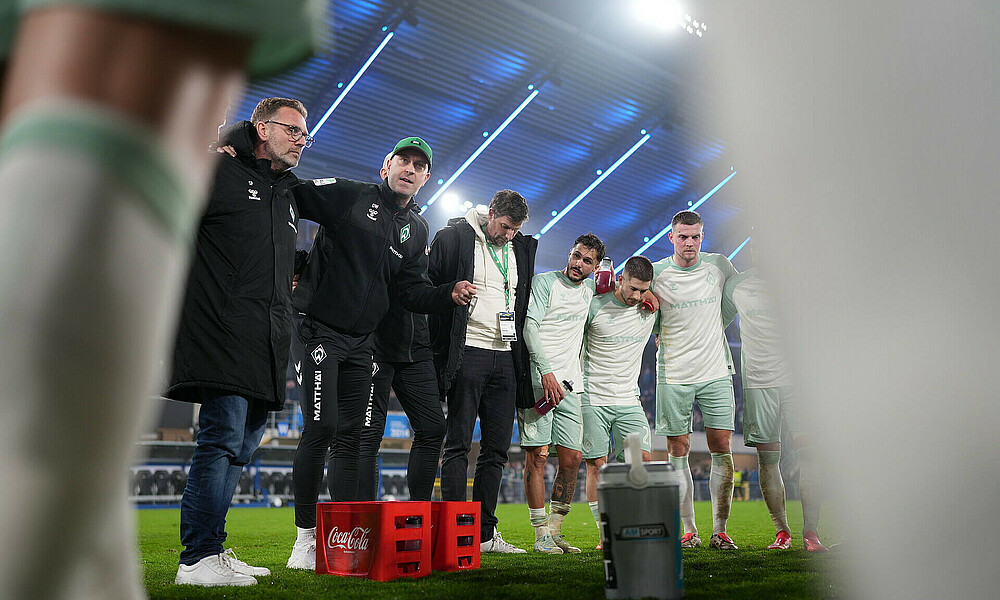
{"x":452,"y":258}
{"x":370,"y":243}
{"x":235,"y":322}
{"x":401,"y":335}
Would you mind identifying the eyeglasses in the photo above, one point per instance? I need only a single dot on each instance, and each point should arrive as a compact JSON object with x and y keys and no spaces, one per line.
{"x":295,"y":133}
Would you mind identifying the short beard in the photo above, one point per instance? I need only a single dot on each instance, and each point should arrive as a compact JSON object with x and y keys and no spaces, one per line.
{"x":568,"y":275}
{"x":277,"y":160}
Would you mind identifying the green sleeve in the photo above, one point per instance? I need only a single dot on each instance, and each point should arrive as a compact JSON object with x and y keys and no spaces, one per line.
{"x":595,"y":306}
{"x":729,"y":309}
{"x":538,"y":304}
{"x":658,"y":268}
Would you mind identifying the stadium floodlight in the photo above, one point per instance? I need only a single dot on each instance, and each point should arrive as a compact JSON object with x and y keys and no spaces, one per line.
{"x":738,"y":248}
{"x":659,"y":13}
{"x":347,"y":89}
{"x":595,"y":183}
{"x":480,"y":149}
{"x":452,"y":202}
{"x":666,"y":229}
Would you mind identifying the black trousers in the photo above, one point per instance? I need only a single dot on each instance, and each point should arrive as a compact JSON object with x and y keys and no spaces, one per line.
{"x":415,"y":384}
{"x":336,"y":380}
{"x":486,"y":387}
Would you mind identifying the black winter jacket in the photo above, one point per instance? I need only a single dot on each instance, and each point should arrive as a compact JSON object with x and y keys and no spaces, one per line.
{"x":369,"y":244}
{"x":235,"y":321}
{"x":401,"y":335}
{"x":452,"y":258}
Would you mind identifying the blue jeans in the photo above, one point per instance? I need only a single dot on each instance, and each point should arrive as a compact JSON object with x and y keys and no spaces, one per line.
{"x":231,"y":428}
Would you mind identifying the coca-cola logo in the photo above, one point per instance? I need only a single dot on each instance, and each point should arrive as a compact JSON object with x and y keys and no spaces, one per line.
{"x":355,"y":539}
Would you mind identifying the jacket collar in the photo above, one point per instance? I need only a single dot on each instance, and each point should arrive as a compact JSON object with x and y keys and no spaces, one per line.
{"x":241,"y":136}
{"x":388,"y":198}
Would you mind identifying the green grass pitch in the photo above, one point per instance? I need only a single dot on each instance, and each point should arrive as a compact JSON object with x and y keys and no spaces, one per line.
{"x":264,"y":536}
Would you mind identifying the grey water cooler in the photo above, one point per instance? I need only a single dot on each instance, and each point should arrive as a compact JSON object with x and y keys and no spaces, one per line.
{"x":640,"y":527}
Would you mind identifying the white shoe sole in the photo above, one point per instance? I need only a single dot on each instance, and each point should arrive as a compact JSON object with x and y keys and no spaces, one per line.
{"x":242,"y":583}
{"x":300,"y":564}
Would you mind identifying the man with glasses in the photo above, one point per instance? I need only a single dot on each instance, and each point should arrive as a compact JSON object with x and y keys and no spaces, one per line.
{"x":295,"y":133}
{"x":232,"y":344}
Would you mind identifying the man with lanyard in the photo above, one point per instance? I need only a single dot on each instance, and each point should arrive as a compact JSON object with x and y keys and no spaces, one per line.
{"x":479,"y":353}
{"x":553,"y":332}
{"x":615,"y":336}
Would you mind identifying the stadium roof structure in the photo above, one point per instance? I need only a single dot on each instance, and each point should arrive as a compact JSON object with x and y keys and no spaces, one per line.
{"x":588,"y":92}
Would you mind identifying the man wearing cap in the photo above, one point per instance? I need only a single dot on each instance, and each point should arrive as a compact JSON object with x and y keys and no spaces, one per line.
{"x":375,"y":239}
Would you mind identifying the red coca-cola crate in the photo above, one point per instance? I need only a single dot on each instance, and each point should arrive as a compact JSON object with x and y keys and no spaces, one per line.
{"x":377,"y":540}
{"x":455,"y":536}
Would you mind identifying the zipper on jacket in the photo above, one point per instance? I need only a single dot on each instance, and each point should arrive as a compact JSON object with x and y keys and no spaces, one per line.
{"x":409,"y":347}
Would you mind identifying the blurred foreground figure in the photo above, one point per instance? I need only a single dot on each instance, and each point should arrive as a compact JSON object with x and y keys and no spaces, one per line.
{"x":106,"y":117}
{"x":865,"y":135}
{"x":769,"y":400}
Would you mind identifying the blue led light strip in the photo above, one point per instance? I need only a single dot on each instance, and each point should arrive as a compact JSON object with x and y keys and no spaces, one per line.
{"x":738,"y":248}
{"x":480,"y":149}
{"x":350,"y":85}
{"x":596,"y":183}
{"x":664,"y":231}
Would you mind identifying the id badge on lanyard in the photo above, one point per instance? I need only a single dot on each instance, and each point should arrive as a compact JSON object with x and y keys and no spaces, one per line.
{"x":507,"y":331}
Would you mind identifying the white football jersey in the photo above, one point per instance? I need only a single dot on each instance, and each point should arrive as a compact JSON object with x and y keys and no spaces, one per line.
{"x":615,"y":336}
{"x":763,"y":358}
{"x":692,"y":343}
{"x":558,"y":308}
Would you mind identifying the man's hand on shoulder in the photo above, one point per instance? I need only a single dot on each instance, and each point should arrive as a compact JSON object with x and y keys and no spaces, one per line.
{"x":649,"y":302}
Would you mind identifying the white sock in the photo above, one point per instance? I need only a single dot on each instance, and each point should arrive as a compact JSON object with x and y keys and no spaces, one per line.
{"x":772,"y":487}
{"x":594,"y":510}
{"x":720,"y":484}
{"x":305,"y":535}
{"x":809,"y":489}
{"x":540,"y":521}
{"x":87,"y":311}
{"x":686,"y":483}
{"x":557,"y":513}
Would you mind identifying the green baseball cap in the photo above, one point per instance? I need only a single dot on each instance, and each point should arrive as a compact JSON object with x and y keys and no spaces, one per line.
{"x":419,"y":144}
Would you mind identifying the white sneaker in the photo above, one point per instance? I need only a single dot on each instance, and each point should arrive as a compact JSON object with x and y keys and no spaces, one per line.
{"x":241,"y":567}
{"x":560,"y":541}
{"x":546,"y":545}
{"x":498,"y":545}
{"x":303,"y":556}
{"x":212,"y":571}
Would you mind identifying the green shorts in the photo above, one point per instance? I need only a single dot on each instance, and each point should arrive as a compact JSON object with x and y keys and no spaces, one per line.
{"x":561,"y":426}
{"x":284,"y":32}
{"x":763,"y":411}
{"x":675,"y":402}
{"x":600,"y":423}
